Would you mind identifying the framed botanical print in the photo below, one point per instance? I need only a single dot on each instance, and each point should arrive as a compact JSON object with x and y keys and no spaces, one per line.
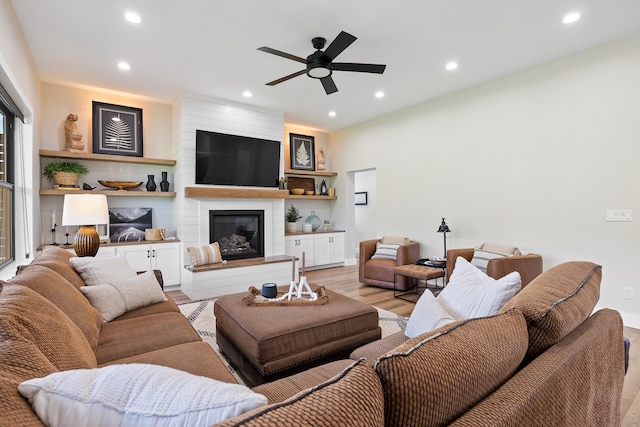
{"x":117,"y":130}
{"x":302,"y":152}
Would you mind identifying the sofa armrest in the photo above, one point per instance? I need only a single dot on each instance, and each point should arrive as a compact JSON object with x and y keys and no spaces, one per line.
{"x":158,"y":274}
{"x":408,"y":253}
{"x":452,"y":256}
{"x":366,"y":251}
{"x":529,"y":267}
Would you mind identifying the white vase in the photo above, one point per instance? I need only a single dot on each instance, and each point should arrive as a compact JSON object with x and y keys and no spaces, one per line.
{"x":291,"y":227}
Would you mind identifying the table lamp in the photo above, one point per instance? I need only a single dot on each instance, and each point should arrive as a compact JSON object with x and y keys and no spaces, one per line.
{"x":85,"y":210}
{"x":444,"y":228}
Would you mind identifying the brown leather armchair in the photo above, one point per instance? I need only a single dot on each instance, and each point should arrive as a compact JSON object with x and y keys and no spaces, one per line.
{"x":379,"y":272}
{"x":529,"y":266}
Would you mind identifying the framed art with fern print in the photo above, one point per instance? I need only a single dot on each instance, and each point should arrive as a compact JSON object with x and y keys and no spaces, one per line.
{"x":117,"y":130}
{"x":303,"y":154}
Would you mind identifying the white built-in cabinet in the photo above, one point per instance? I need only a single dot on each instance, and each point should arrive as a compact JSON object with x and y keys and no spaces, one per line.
{"x":329,"y":248}
{"x":159,"y":256}
{"x":322,"y":248}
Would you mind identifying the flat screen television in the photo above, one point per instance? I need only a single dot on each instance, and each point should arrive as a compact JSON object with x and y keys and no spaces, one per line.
{"x":223,"y":159}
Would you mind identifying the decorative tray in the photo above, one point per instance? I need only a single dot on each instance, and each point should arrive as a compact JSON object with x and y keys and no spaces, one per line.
{"x":254,"y":297}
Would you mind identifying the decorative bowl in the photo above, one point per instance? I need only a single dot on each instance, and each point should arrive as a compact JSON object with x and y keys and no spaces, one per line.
{"x":121,"y":185}
{"x":309,"y":192}
{"x":438,"y":262}
{"x":297,"y":191}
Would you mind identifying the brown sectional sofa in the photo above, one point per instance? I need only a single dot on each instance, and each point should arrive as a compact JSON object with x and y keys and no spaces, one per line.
{"x":543,"y":360}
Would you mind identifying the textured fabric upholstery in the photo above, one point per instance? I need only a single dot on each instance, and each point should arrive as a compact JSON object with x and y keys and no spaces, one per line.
{"x":283,"y":389}
{"x":556,"y":302}
{"x":57,"y":259}
{"x":379,"y":272}
{"x":576,"y":382}
{"x":167,"y":306}
{"x":65,"y":296}
{"x":53,"y":333}
{"x":529,"y":266}
{"x":326,"y":405}
{"x":434,"y":378}
{"x":377,"y":348}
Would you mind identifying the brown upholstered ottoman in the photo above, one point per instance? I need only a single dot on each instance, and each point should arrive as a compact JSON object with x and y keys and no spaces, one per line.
{"x":267,"y":343}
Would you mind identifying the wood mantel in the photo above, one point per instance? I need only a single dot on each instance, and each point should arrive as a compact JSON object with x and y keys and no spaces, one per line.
{"x":233,"y":193}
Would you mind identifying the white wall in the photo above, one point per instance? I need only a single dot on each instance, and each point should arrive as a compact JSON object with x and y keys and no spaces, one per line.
{"x":366,"y":215}
{"x":533,"y":159}
{"x":19,"y":76}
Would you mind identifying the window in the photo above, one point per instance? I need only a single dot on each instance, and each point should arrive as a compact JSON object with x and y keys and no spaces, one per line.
{"x":7,"y":121}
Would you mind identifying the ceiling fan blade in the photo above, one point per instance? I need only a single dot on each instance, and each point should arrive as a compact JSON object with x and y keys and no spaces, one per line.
{"x":329,"y":85}
{"x":361,"y":68}
{"x":282,"y":54}
{"x":340,"y":43}
{"x":284,"y":79}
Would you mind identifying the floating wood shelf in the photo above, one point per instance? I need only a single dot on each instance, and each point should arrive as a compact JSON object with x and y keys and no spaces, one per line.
{"x":109,"y":193}
{"x":106,"y":157}
{"x":234,"y":193}
{"x":293,"y":196}
{"x":309,"y":173}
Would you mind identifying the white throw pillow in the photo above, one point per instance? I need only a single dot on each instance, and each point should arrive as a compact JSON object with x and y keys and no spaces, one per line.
{"x":386,"y":251}
{"x":102,"y":270}
{"x":136,"y":395}
{"x":427,"y":315}
{"x":470,"y":293}
{"x":115,"y":299}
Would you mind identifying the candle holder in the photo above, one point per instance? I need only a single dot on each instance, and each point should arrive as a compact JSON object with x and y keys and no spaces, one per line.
{"x":53,"y":235}
{"x":66,"y":234}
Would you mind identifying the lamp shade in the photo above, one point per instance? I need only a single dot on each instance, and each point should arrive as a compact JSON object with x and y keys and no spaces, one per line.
{"x":444,"y":228}
{"x":85,"y":209}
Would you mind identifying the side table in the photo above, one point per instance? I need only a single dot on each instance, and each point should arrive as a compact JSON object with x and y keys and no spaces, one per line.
{"x":417,"y":272}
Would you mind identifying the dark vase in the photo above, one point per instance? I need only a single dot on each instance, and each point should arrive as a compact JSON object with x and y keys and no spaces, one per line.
{"x":151,"y":184}
{"x":164,"y":184}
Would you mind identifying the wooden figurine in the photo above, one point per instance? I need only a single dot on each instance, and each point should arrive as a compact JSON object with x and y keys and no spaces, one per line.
{"x":72,"y":135}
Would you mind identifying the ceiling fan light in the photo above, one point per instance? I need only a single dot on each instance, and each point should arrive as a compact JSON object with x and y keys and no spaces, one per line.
{"x":317,"y":71}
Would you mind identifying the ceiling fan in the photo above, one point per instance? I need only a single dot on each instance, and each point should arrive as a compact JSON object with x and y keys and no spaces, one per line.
{"x":320,"y":64}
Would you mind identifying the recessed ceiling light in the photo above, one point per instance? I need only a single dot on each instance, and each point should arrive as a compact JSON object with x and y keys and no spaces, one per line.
{"x":133,"y":17}
{"x":451,"y":66}
{"x":247,"y":94}
{"x":570,"y":18}
{"x":124,"y":66}
{"x":379,"y":94}
{"x":332,"y":113}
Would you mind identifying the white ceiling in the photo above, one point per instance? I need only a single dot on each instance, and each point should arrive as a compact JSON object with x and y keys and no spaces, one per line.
{"x":209,"y":47}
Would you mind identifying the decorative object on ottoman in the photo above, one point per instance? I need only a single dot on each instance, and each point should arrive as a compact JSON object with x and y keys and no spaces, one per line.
{"x":269,"y":290}
{"x":444,"y":228}
{"x":256,"y":298}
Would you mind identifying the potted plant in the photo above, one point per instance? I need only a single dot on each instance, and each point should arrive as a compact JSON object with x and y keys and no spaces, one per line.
{"x":64,"y":173}
{"x":293,"y":215}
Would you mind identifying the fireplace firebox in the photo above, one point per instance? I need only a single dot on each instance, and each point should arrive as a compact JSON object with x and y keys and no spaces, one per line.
{"x":240,"y":233}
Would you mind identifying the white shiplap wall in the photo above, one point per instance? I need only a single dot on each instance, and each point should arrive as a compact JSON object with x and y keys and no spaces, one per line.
{"x":191,"y":112}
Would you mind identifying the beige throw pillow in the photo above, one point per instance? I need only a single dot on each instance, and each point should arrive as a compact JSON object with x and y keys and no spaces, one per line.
{"x":392,"y":240}
{"x":203,"y":255}
{"x":102,"y":270}
{"x":115,"y":299}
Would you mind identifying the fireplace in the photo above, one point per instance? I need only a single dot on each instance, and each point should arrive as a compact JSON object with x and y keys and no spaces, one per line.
{"x":240,"y":233}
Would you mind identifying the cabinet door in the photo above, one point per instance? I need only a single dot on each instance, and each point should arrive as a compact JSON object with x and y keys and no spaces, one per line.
{"x":306,"y":245}
{"x":291,"y":245}
{"x":323,"y":249}
{"x":138,"y":256}
{"x":166,"y":258}
{"x":337,"y":247}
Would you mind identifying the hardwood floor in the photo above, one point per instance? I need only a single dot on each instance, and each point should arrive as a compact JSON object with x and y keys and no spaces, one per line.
{"x":345,"y":281}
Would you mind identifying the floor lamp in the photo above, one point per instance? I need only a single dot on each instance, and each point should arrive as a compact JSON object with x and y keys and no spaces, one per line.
{"x":444,"y":228}
{"x":86,"y":211}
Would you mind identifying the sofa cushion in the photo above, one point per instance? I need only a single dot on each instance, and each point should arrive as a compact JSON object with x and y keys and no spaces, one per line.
{"x":203,"y":255}
{"x":24,"y":313}
{"x":130,"y":337}
{"x":117,"y":298}
{"x":427,"y":315}
{"x":471,"y":293}
{"x":102,"y":270}
{"x":57,"y":259}
{"x":21,"y":360}
{"x":167,"y":306}
{"x":499,"y":249}
{"x":395,"y":240}
{"x":65,"y":296}
{"x":326,"y":405}
{"x":556,"y":302}
{"x":434,"y":378}
{"x":135,"y":395}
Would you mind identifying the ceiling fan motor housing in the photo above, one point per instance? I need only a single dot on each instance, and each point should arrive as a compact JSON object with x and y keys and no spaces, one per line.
{"x":318,"y":65}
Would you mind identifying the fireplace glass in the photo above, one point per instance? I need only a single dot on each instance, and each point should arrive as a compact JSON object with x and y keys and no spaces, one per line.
{"x":240,"y":234}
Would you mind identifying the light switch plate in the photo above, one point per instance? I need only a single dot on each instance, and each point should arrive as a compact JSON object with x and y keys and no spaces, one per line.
{"x":620,"y":215}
